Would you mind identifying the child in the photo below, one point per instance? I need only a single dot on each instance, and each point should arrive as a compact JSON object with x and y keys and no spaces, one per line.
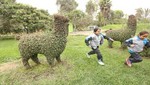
{"x":94,"y":41}
{"x":135,"y":45}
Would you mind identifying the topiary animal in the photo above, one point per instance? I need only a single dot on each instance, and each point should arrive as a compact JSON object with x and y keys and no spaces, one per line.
{"x":123,"y":34}
{"x":146,"y":51}
{"x":50,"y":44}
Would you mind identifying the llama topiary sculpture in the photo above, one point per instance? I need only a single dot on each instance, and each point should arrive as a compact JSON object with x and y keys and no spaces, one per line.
{"x":123,"y":34}
{"x":50,"y":44}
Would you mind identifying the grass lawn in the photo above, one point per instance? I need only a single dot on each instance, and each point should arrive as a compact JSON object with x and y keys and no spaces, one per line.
{"x":8,"y":50}
{"x":76,"y":68}
{"x":140,"y":27}
{"x":113,"y":26}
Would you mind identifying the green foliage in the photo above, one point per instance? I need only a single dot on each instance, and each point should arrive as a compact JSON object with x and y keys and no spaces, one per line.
{"x":105,"y":7}
{"x":117,"y":17}
{"x":79,"y":19}
{"x":143,"y":14}
{"x":118,"y":14}
{"x":108,"y":16}
{"x":90,"y":7}
{"x":17,"y":17}
{"x":101,"y":19}
{"x":66,"y":6}
{"x":7,"y":1}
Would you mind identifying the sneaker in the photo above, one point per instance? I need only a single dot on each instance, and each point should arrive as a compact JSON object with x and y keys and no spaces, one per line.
{"x":128,"y":62}
{"x":100,"y":62}
{"x":88,"y":55}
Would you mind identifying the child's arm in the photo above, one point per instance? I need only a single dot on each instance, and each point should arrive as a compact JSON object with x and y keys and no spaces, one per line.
{"x":87,"y":39}
{"x":129,"y":43}
{"x":148,"y":43}
{"x":108,"y":38}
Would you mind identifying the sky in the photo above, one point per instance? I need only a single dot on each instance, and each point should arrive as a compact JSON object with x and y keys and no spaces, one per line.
{"x":127,"y":6}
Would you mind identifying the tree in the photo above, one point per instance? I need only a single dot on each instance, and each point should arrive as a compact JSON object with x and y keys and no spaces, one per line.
{"x":142,"y":14}
{"x":101,"y":19}
{"x":90,"y":8}
{"x":7,"y":1}
{"x":105,"y":6}
{"x":79,"y":19}
{"x":116,"y":17}
{"x":17,"y":18}
{"x":118,"y":14}
{"x":66,"y":6}
{"x":146,"y":12}
{"x":139,"y":13}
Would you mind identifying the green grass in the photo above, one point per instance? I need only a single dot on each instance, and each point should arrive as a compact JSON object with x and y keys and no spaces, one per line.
{"x":140,"y":27}
{"x":76,"y":68}
{"x":8,"y":50}
{"x":113,"y":26}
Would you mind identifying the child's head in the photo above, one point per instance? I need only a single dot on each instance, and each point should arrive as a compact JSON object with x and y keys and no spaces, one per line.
{"x":143,"y":34}
{"x":97,"y":31}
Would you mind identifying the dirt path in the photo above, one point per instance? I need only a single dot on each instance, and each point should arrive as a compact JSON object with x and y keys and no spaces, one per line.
{"x":9,"y":66}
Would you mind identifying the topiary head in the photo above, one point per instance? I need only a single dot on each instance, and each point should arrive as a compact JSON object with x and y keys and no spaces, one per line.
{"x":60,"y":25}
{"x":132,"y":23}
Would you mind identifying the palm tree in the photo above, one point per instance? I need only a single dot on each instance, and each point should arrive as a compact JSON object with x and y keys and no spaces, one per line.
{"x":139,"y":13}
{"x":146,"y":12}
{"x":105,"y":6}
{"x":142,"y":14}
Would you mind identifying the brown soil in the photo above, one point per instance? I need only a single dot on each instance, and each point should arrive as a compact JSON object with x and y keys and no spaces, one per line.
{"x":9,"y":66}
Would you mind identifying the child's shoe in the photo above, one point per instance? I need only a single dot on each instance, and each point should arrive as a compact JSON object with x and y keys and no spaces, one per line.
{"x":88,"y":55}
{"x":128,"y":62}
{"x":101,"y":62}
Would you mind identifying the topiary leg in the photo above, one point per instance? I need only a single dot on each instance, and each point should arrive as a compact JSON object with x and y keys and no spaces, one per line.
{"x":35,"y":59}
{"x":58,"y":59}
{"x":123,"y":46}
{"x":26,"y":63}
{"x":50,"y":60}
{"x":110,"y":44}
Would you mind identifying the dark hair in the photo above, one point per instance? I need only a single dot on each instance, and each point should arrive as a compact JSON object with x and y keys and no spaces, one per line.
{"x":95,"y":29}
{"x":143,"y":32}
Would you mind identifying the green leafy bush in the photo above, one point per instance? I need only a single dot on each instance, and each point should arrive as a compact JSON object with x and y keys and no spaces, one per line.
{"x":16,"y":18}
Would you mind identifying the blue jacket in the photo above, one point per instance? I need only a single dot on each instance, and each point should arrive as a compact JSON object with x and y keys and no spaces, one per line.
{"x":139,"y":44}
{"x":95,"y":40}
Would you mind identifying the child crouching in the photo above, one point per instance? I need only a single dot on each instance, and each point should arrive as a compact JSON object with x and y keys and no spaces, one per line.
{"x":136,"y":45}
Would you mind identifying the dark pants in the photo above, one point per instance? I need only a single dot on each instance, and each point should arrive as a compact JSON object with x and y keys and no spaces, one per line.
{"x":96,"y":51}
{"x":135,"y":58}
